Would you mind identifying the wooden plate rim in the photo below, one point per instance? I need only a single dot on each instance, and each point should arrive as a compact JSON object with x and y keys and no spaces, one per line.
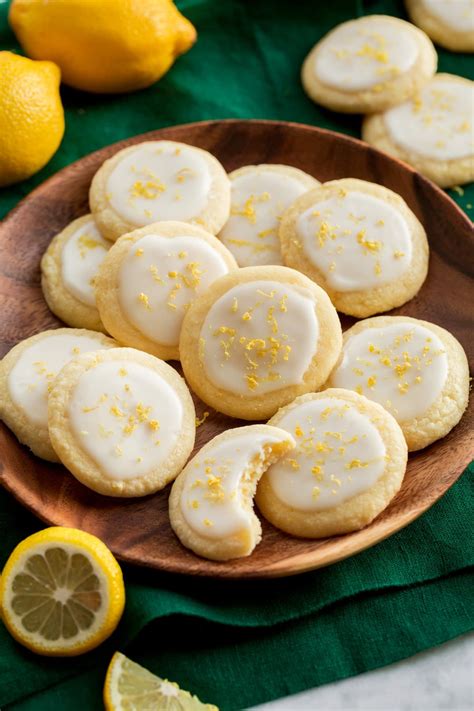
{"x":300,"y":562}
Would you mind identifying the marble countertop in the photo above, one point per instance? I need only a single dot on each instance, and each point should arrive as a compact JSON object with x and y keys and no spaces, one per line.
{"x":440,"y":678}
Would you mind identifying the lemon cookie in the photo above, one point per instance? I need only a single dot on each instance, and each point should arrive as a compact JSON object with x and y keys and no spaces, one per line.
{"x":26,"y":376}
{"x":360,"y":242}
{"x":68,"y":270}
{"x":416,"y":370}
{"x":259,"y":337}
{"x":159,"y":180}
{"x":433,"y":131}
{"x":368,"y":64}
{"x":121,"y":421}
{"x":211,"y":502}
{"x":149,"y":279}
{"x":349,"y":462}
{"x":259,"y":196}
{"x":450,"y":23}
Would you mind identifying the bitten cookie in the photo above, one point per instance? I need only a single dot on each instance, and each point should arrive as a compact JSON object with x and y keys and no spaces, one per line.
{"x":149,"y":279}
{"x":360,"y":242}
{"x":433,"y":131}
{"x":368,"y":64}
{"x":259,"y":196}
{"x":259,"y":337}
{"x":211,"y":502}
{"x":449,"y":23}
{"x":159,"y":180}
{"x":349,"y":462}
{"x":68,"y":270}
{"x":416,"y":370}
{"x":27,"y":373}
{"x":121,"y":421}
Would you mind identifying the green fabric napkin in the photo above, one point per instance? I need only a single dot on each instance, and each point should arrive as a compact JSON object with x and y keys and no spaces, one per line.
{"x":239,"y":644}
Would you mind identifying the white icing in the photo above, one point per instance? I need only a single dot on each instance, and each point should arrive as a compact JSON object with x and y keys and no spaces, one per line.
{"x":456,"y":14}
{"x":438,"y":122}
{"x":356,"y":240}
{"x":159,"y":181}
{"x":258,"y":200}
{"x":127,"y":417}
{"x":259,"y":337}
{"x":218,"y":484}
{"x":339,"y":454}
{"x":81,"y":258}
{"x":160,"y":277}
{"x":32,"y":375}
{"x":365,"y":53}
{"x":402,"y":366}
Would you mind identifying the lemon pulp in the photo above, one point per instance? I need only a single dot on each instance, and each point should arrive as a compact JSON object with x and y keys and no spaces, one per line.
{"x":57,"y":595}
{"x":131,"y":687}
{"x":61,"y":592}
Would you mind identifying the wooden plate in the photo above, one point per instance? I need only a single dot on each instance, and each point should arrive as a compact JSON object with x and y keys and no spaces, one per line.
{"x":138,"y":530}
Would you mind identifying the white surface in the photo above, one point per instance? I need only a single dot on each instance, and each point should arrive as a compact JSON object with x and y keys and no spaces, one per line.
{"x":440,"y":678}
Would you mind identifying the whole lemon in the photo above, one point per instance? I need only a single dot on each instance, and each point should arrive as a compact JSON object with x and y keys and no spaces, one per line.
{"x":103,"y":46}
{"x":31,"y":116}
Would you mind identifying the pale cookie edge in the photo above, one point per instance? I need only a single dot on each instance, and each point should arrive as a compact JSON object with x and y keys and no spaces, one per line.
{"x":360,"y":510}
{"x":453,"y":400}
{"x":80,"y":464}
{"x":60,"y":301}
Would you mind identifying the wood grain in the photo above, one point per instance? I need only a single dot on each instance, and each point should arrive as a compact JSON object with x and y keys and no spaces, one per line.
{"x":138,"y":530}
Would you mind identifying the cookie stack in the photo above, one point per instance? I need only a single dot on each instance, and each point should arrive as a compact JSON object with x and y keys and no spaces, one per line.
{"x":385,"y":68}
{"x":239,"y":277}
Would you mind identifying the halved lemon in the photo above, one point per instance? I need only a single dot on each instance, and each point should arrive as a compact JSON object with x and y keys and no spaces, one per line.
{"x":61,"y":592}
{"x":130,"y":687}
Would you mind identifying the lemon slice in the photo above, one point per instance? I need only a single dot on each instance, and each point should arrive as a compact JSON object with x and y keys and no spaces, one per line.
{"x":130,"y":687}
{"x":61,"y":592}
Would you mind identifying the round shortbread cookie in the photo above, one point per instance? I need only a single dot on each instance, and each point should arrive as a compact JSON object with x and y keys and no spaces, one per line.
{"x":259,"y":337}
{"x":121,"y":421}
{"x":360,"y":242}
{"x":68,"y":270}
{"x":449,"y":23}
{"x":415,"y":369}
{"x":158,"y":181}
{"x":433,"y":131}
{"x":259,"y":196}
{"x":211,"y":502}
{"x":27,"y":374}
{"x":368,"y":64}
{"x":349,"y":462}
{"x":150,"y":277}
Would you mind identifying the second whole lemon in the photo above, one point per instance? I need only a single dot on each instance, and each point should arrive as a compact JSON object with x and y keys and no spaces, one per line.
{"x":104,"y":46}
{"x":31,"y":116}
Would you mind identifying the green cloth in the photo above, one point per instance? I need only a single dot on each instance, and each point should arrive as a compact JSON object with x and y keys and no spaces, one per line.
{"x":239,"y":644}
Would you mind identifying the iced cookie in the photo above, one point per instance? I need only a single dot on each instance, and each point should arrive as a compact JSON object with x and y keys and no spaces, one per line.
{"x":68,"y":270}
{"x":211,"y":502}
{"x":416,"y":370}
{"x":27,"y":373}
{"x":368,"y":64}
{"x":449,"y":23}
{"x":158,"y":181}
{"x":360,"y":242}
{"x":433,"y":131}
{"x":259,"y":196}
{"x":121,"y":421}
{"x":259,"y":337}
{"x":150,"y":277}
{"x":349,"y":463}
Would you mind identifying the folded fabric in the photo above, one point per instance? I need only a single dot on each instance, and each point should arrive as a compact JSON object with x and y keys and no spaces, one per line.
{"x":225,"y":639}
{"x":245,"y":64}
{"x":241,"y":643}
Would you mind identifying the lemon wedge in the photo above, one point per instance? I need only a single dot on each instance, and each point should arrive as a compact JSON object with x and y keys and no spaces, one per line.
{"x":61,"y":592}
{"x":130,"y":687}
